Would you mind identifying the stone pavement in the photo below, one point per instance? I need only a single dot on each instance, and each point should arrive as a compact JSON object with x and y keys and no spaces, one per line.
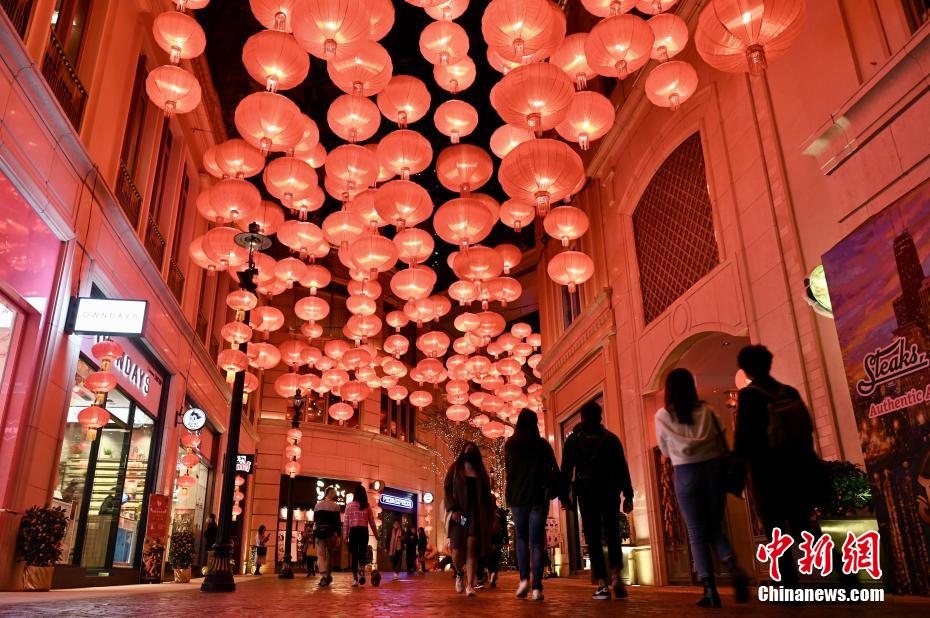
{"x":430,"y":595}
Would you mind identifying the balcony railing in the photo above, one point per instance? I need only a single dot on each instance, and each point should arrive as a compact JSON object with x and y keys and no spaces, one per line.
{"x":175,"y":279}
{"x":128,"y":195}
{"x":18,"y":11}
{"x":64,"y":82}
{"x":155,"y":243}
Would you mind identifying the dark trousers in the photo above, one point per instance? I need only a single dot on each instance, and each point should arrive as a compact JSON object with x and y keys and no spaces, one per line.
{"x":396,"y":560}
{"x":702,"y":500}
{"x":600,"y":518}
{"x":358,"y":547}
{"x":411,"y":558}
{"x":793,"y":517}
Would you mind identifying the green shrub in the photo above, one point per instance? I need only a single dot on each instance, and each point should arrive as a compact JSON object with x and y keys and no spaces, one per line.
{"x":41,"y":531}
{"x":181,"y":555}
{"x":851,"y":489}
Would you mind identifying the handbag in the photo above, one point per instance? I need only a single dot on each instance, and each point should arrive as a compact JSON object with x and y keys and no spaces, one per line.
{"x":734,"y":472}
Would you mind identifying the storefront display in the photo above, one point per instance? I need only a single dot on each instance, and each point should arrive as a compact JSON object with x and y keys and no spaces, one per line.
{"x":107,"y":477}
{"x":191,"y":504}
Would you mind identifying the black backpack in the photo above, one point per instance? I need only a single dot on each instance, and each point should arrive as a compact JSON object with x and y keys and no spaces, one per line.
{"x":790,"y":427}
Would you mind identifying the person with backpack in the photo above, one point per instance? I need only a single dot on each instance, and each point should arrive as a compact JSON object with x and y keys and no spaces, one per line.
{"x":532,"y":481}
{"x":327,"y":527}
{"x":594,"y":466}
{"x":689,"y":433}
{"x":774,"y":437}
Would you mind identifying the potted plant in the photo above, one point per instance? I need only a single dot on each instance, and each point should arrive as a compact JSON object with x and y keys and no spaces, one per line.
{"x":851,"y":491}
{"x":38,"y":545}
{"x":181,"y":555}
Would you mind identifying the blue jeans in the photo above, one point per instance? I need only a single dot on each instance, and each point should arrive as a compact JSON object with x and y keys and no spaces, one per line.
{"x":530,"y":522}
{"x":702,"y":500}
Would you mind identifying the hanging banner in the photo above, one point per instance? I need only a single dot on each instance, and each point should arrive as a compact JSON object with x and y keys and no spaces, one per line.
{"x":880,"y":291}
{"x":156,"y":538}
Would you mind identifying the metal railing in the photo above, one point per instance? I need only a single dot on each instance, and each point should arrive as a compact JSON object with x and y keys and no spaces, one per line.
{"x":155,"y":243}
{"x":175,"y":279}
{"x":64,"y":82}
{"x":128,"y":195}
{"x":18,"y":11}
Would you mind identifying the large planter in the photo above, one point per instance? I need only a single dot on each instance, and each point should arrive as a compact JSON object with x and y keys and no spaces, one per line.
{"x":182,"y":576}
{"x":37,"y":578}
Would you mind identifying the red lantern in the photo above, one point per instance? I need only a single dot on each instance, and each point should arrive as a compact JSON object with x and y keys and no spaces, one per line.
{"x":232,"y":361}
{"x":433,"y":344}
{"x":342,"y":227}
{"x":352,"y":168}
{"x":463,"y":168}
{"x":266,"y":319}
{"x":745,"y":35}
{"x":605,"y":8}
{"x":373,"y":253}
{"x":288,"y":178}
{"x":173,"y":89}
{"x":457,"y":413}
{"x":670,"y":84}
{"x":405,"y":152}
{"x":396,"y":345}
{"x":510,"y":255}
{"x":220,"y":247}
{"x":274,"y":14}
{"x":462,"y":221}
{"x":654,"y":7}
{"x":566,"y":223}
{"x":478,"y":264}
{"x":236,"y":333}
{"x":619,"y":45}
{"x":100,"y":382}
{"x":443,"y":42}
{"x":671,"y":36}
{"x":363,"y":70}
{"x":106,"y":352}
{"x":269,"y":121}
{"x":413,"y":245}
{"x":275,"y":60}
{"x":179,"y":34}
{"x":405,"y":99}
{"x":341,"y":412}
{"x":590,"y":117}
{"x":446,"y":10}
{"x":287,"y":385}
{"x":403,"y":203}
{"x":263,"y":355}
{"x":323,"y":27}
{"x":534,"y":96}
{"x":361,"y":305}
{"x":505,"y":290}
{"x":396,"y":320}
{"x":523,"y":30}
{"x":231,"y":199}
{"x":463,"y":291}
{"x":570,"y":57}
{"x":455,"y":119}
{"x":316,"y":277}
{"x":381,"y":18}
{"x":420,"y":399}
{"x":570,"y":268}
{"x":353,"y":117}
{"x":540,"y":171}
{"x":300,"y":236}
{"x":507,"y":137}
{"x":455,"y":77}
{"x":236,"y":158}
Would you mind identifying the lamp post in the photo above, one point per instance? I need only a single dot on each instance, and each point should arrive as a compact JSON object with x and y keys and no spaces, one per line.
{"x":220,"y":576}
{"x":287,"y":570}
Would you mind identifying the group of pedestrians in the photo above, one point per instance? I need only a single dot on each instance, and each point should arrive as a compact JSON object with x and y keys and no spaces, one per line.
{"x":404,"y":540}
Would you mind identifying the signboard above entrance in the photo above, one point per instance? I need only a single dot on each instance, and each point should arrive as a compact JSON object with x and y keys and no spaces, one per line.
{"x":108,"y":316}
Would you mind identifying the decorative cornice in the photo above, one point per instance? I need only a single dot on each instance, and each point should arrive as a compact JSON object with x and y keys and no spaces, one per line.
{"x":581,"y":335}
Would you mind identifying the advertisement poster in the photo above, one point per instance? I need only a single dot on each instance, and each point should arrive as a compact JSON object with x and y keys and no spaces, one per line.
{"x":879,"y":282}
{"x":156,"y":537}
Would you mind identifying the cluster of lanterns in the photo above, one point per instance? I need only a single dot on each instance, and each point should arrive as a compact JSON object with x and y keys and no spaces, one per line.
{"x":99,"y":383}
{"x":171,"y":87}
{"x":292,"y":452}
{"x":190,"y":442}
{"x":238,"y":496}
{"x":543,"y":88}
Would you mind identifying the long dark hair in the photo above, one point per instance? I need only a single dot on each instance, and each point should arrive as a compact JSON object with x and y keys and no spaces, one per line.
{"x":360,"y":496}
{"x":480,"y":470}
{"x":681,"y":396}
{"x":527,"y":427}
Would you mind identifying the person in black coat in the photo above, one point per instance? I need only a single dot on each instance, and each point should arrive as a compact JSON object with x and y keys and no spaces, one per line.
{"x":410,"y":548}
{"x":594,"y":465}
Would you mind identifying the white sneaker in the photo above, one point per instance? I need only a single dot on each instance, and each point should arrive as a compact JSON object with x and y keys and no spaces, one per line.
{"x":459,"y":583}
{"x":470,"y":592}
{"x":523,"y":588}
{"x":537,"y":595}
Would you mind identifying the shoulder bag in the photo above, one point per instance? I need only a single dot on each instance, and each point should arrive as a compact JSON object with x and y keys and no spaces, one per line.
{"x":734,"y":472}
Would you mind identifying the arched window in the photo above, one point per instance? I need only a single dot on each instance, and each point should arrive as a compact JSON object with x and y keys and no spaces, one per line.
{"x":674,"y":229}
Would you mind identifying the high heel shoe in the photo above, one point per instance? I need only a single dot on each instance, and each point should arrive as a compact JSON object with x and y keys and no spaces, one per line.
{"x":711,"y":598}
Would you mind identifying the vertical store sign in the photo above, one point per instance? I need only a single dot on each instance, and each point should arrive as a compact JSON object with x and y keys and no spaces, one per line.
{"x":156,"y":538}
{"x":879,"y":283}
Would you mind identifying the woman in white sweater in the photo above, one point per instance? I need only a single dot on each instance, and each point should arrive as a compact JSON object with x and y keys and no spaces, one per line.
{"x":688,"y":432}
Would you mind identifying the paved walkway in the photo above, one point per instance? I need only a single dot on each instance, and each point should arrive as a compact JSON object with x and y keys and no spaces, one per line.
{"x":429,"y":596}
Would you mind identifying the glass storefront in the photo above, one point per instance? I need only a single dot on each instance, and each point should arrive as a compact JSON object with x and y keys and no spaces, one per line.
{"x":9,"y":322}
{"x":105,"y":480}
{"x":191,"y":507}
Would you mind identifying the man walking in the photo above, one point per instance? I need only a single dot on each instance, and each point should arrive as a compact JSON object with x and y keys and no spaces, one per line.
{"x":594,"y":465}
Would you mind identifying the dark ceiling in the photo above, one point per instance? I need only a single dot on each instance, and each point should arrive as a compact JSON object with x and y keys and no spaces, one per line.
{"x":229,"y":24}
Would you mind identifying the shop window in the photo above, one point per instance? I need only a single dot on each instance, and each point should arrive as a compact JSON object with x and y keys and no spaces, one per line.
{"x":673,"y":228}
{"x":104,"y":480}
{"x":571,"y":306}
{"x":154,"y":237}
{"x":127,"y":189}
{"x":10,"y":319}
{"x":398,"y":419}
{"x":69,"y":23}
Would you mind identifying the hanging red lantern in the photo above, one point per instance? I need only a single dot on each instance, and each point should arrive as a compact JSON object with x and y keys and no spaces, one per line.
{"x":671,"y":36}
{"x":236,"y":333}
{"x":323,"y":27}
{"x":420,"y":399}
{"x":342,"y":227}
{"x":341,"y":412}
{"x":534,"y":96}
{"x":455,"y":77}
{"x":463,"y":291}
{"x":507,"y":137}
{"x":462,"y":221}
{"x":404,"y":100}
{"x":288,"y":178}
{"x":274,"y":14}
{"x":179,"y":34}
{"x":266,"y":319}
{"x":523,"y":30}
{"x":353,"y":118}
{"x":396,"y":345}
{"x":443,"y":42}
{"x":236,"y":158}
{"x":106,"y":352}
{"x":373,"y":253}
{"x":231,"y":199}
{"x":263,"y":355}
{"x":413,"y":245}
{"x":478,"y":264}
{"x":352,"y":168}
{"x":173,"y":89}
{"x":606,"y":8}
{"x":381,"y":18}
{"x":405,"y":152}
{"x":505,"y":290}
{"x":745,"y":35}
{"x":269,"y":121}
{"x":363,"y":70}
{"x":570,"y":268}
{"x":654,"y":7}
{"x":590,"y":117}
{"x":463,"y":168}
{"x":455,"y":119}
{"x":670,"y":84}
{"x":570,"y":57}
{"x":413,"y":283}
{"x":396,"y":320}
{"x":299,"y":236}
{"x":316,"y":277}
{"x":540,"y":171}
{"x":275,"y":60}
{"x":511,"y":256}
{"x":219,"y":246}
{"x":403,"y":203}
{"x":619,"y":45}
{"x":566,"y":223}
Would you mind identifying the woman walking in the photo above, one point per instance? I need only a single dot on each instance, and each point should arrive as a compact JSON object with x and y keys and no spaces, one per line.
{"x":422,"y":543}
{"x":396,"y":548}
{"x":261,"y":548}
{"x":357,"y":520}
{"x":689,"y":433}
{"x":326,"y":530}
{"x":532,"y":481}
{"x":470,"y":505}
